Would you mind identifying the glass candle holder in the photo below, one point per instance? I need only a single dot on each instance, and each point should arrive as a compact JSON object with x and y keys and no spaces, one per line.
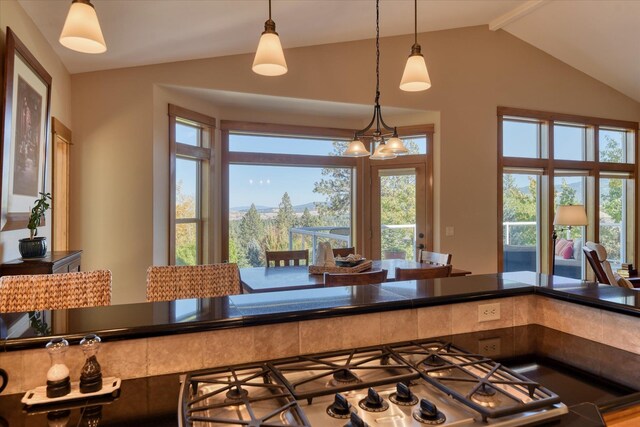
{"x":58,"y":381}
{"x":91,"y":374}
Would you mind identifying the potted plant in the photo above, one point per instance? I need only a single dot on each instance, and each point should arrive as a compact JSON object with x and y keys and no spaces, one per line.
{"x":32,"y":246}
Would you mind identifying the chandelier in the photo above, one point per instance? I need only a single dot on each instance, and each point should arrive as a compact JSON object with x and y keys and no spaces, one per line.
{"x":385,"y":138}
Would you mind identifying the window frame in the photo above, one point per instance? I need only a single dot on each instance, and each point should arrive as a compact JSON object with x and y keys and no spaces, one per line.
{"x":548,"y":164}
{"x":204,"y":155}
{"x":361,"y":171}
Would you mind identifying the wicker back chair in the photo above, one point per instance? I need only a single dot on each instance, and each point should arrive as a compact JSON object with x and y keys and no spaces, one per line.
{"x":55,"y":291}
{"x":167,"y":283}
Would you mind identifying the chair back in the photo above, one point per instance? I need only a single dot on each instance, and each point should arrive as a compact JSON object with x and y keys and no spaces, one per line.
{"x":343,"y":252}
{"x":287,"y":258}
{"x":435,"y":258}
{"x":346,"y":279}
{"x":55,"y":291}
{"x":423,"y":273}
{"x":167,"y":283}
{"x":592,"y":257}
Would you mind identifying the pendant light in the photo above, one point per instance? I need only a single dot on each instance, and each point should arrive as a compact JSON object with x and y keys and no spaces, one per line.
{"x":81,"y":31}
{"x":269,"y":59}
{"x":383,"y":149}
{"x":415,"y":77}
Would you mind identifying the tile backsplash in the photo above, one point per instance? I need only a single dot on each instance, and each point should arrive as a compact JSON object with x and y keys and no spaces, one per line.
{"x":183,"y":352}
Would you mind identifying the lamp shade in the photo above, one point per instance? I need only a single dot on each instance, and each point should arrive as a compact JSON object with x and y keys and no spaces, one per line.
{"x":396,"y":146}
{"x":356,"y":149}
{"x":570,"y":215}
{"x":381,"y":153}
{"x":269,"y":59}
{"x":415,"y":77}
{"x":81,"y":31}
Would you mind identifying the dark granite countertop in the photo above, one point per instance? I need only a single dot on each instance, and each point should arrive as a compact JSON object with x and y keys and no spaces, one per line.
{"x":153,"y":401}
{"x":192,"y":315}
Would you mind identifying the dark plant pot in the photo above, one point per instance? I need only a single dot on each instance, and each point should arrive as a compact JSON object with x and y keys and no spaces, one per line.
{"x":33,"y":248}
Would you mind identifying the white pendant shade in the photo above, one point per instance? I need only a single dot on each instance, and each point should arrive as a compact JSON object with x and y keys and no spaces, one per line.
{"x":356,"y":149}
{"x":81,"y":31}
{"x":381,"y":153}
{"x":269,"y":59}
{"x":396,"y":146}
{"x":415,"y":77}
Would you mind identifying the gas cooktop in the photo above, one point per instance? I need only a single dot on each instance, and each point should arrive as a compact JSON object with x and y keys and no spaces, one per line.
{"x":416,"y":383}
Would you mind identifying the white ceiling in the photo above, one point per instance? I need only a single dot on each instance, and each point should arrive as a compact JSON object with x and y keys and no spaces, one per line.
{"x":598,"y":37}
{"x":141,"y":32}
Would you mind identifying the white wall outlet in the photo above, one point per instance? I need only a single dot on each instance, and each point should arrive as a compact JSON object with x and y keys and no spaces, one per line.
{"x":448,"y":231}
{"x":489,"y":347}
{"x":487,"y":312}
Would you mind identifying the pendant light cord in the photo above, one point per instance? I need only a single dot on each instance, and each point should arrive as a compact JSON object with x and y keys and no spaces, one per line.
{"x":415,"y":21}
{"x":269,"y":10}
{"x":377,"y":51}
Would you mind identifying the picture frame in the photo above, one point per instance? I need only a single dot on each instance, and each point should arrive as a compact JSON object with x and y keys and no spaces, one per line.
{"x":25,"y":133}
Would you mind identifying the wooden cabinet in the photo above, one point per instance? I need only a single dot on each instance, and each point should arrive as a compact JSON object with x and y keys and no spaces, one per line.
{"x":53,"y":262}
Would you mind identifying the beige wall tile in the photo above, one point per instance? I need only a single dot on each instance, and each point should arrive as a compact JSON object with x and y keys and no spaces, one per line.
{"x":175,"y":353}
{"x":465,"y":316}
{"x":124,"y":359}
{"x":398,"y":325}
{"x":549,"y":313}
{"x":11,"y":362}
{"x":314,"y":335}
{"x":360,"y":331}
{"x":276,"y":341}
{"x":228,"y":347}
{"x":524,"y":310}
{"x":621,"y":331}
{"x":581,"y":321}
{"x":434,"y":321}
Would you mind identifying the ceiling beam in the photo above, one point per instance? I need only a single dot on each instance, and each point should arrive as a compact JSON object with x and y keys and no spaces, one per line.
{"x":515,"y":14}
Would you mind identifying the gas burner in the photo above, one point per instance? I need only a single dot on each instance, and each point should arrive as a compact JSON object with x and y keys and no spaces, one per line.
{"x":344,"y":376}
{"x":340,"y":408}
{"x":317,"y":375}
{"x":373,"y":402}
{"x":428,"y":414}
{"x":403,"y":396}
{"x":237,"y":393}
{"x":485,"y":396}
{"x":433,"y":361}
{"x":246,"y":395}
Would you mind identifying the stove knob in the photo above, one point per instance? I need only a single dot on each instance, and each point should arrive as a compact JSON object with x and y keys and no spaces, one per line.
{"x":356,"y":421}
{"x":340,"y":405}
{"x":403,"y":393}
{"x":373,"y":399}
{"x":428,"y":410}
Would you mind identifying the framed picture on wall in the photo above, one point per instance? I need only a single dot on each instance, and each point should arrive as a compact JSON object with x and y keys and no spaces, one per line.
{"x":25,"y":131}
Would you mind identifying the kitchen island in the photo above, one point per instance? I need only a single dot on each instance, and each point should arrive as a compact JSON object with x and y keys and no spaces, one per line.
{"x":153,"y":401}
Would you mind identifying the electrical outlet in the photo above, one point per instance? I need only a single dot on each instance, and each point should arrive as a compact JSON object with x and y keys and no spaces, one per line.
{"x":489,"y":347}
{"x":487,"y":312}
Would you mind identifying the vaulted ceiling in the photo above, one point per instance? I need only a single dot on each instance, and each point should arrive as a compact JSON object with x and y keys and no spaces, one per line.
{"x":598,"y":37}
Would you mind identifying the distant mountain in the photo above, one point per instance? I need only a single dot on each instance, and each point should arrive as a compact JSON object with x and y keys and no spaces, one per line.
{"x":266,"y":209}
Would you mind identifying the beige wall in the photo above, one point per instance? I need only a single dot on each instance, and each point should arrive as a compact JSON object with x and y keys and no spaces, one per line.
{"x":12,"y":15}
{"x":119,"y":131}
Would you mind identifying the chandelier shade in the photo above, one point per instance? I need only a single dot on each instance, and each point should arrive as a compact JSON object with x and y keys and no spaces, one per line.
{"x":356,"y":148}
{"x":81,"y":31}
{"x":269,"y":59}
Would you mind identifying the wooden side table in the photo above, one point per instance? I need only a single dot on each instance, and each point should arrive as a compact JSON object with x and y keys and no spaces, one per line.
{"x":53,"y":262}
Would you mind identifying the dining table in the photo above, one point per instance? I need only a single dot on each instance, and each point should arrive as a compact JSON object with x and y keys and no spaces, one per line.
{"x":288,"y":278}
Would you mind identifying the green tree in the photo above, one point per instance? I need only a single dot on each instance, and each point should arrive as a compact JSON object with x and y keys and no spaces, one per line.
{"x":285,"y":220}
{"x":251,"y":225}
{"x":519,"y":205}
{"x":611,"y":198}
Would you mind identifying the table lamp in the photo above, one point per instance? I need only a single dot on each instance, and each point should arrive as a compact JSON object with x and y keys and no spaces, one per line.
{"x":567,"y":216}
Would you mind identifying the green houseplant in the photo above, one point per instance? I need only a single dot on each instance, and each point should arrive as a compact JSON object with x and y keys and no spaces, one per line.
{"x":32,"y":246}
